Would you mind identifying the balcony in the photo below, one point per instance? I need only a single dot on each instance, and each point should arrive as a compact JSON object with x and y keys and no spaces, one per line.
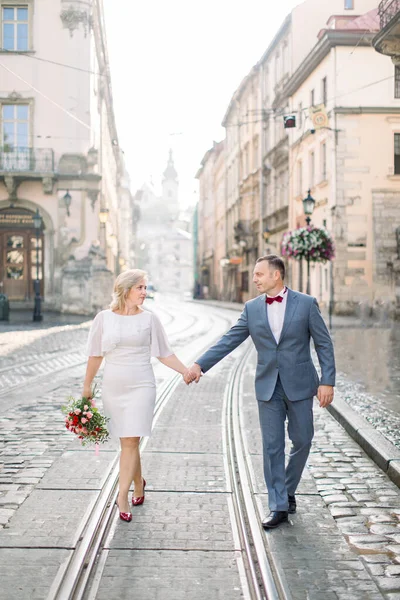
{"x":22,"y":160}
{"x":387,"y":41}
{"x":387,"y":10}
{"x":19,"y":164}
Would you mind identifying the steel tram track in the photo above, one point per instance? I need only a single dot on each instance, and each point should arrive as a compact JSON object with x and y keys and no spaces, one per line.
{"x":77,"y":575}
{"x":263,"y":579}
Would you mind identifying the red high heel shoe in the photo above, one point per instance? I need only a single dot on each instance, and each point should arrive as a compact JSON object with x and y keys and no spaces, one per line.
{"x":136,"y":501}
{"x":124,"y":516}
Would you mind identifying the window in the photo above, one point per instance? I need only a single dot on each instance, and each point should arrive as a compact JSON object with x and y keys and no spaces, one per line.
{"x":348,"y":4}
{"x":397,"y":81}
{"x":323,"y":161}
{"x":300,"y":115}
{"x":255,"y":153}
{"x":324,"y":90}
{"x":285,"y":59}
{"x":245,"y":281}
{"x":312,"y":98}
{"x":397,"y":153}
{"x":299,"y":178}
{"x":312,"y":169}
{"x":15,"y":126}
{"x":15,"y":28}
{"x":277,"y":65}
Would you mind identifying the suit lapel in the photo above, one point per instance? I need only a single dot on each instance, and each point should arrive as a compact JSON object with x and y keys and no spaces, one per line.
{"x":264,"y":316}
{"x":291,"y":306}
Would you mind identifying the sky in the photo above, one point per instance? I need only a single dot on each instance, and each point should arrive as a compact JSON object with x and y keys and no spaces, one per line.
{"x":175,"y":65}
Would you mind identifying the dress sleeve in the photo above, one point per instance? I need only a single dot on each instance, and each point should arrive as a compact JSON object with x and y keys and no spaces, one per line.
{"x":159,"y":342}
{"x":94,"y":343}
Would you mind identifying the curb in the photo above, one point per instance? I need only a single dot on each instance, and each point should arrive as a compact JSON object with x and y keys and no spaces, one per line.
{"x":382,"y":452}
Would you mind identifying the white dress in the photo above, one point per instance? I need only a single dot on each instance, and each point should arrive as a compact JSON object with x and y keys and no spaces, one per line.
{"x":127,"y":343}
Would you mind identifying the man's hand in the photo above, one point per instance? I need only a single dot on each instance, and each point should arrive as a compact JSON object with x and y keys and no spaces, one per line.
{"x":188,"y":377}
{"x":194,"y":373}
{"x":325,"y":395}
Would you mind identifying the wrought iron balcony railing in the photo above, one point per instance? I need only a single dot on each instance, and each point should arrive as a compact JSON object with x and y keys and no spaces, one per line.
{"x":387,"y":10}
{"x":34,"y":160}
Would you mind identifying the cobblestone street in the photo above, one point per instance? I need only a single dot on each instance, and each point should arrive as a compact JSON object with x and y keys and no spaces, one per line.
{"x":342,"y":544}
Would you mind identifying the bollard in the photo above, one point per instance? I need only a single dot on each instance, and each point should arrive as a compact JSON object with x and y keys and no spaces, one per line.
{"x":4,"y":308}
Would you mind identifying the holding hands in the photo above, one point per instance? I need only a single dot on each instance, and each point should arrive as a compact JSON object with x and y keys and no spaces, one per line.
{"x":192,"y":374}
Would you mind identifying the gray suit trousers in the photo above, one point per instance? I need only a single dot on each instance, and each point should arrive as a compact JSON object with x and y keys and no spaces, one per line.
{"x":280,"y":481}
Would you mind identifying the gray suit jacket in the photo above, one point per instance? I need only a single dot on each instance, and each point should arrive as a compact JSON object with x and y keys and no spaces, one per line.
{"x":291,"y":357}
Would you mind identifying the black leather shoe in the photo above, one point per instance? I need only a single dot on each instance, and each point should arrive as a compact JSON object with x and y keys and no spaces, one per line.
{"x":292,"y":504}
{"x":275,"y":518}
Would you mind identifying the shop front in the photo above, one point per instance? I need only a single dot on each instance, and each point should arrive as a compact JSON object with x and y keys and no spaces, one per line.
{"x":21,"y":254}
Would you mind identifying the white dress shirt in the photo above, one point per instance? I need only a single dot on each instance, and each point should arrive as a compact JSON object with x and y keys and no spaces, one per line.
{"x":276,"y":314}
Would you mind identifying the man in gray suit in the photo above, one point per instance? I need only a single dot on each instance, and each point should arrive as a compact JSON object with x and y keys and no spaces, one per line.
{"x":281,"y":323}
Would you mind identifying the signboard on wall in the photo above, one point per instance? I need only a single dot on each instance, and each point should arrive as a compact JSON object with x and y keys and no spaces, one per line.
{"x":318,"y":116}
{"x":16,"y":218}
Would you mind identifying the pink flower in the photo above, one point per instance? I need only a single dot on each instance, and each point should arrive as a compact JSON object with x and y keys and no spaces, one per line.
{"x":89,"y":415}
{"x":84,"y":430}
{"x":77,"y":411}
{"x":92,"y":403}
{"x":83,"y":420}
{"x":86,"y":407}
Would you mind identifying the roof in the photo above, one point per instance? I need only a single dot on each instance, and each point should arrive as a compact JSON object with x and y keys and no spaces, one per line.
{"x":367,"y":22}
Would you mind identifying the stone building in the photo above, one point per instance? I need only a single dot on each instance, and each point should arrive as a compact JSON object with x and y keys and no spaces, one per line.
{"x":387,"y":42}
{"x":263,"y":179}
{"x":59,"y":155}
{"x":349,"y":164}
{"x":164,"y":243}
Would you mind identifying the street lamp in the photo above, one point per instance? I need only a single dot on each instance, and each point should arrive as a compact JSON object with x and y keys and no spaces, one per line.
{"x":308,"y":207}
{"x":67,"y":201}
{"x":103,"y":215}
{"x":37,"y":314}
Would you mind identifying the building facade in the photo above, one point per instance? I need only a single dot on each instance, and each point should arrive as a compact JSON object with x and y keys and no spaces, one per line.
{"x":165,"y":248}
{"x":387,"y":42}
{"x":317,"y":57}
{"x":349,"y":163}
{"x":59,"y":155}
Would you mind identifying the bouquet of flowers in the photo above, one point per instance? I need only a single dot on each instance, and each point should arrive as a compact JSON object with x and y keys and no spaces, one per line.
{"x":310,"y":242}
{"x":85,"y":420}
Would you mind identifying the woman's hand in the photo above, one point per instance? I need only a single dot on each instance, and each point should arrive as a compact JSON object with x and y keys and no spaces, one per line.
{"x":87,"y":392}
{"x":187,"y":377}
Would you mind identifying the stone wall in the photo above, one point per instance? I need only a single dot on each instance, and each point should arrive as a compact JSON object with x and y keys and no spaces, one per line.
{"x":386,"y":219}
{"x":86,"y":285}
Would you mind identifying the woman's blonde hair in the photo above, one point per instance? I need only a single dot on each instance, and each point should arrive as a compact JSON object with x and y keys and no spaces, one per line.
{"x":122,"y":286}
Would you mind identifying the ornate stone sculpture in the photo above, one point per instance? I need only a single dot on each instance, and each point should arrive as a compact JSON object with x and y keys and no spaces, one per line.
{"x":72,"y":18}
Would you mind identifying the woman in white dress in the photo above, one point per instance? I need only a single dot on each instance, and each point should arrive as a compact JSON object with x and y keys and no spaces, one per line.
{"x":127,"y":337}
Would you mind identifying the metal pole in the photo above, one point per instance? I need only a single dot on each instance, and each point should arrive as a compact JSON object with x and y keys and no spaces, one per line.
{"x":37,"y":315}
{"x":331,"y":294}
{"x":301,"y":275}
{"x":308,"y":221}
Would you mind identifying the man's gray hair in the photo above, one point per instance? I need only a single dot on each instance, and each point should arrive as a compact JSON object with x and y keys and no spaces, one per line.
{"x":275,"y":262}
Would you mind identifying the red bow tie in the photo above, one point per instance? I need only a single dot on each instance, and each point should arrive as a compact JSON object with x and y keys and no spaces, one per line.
{"x":275,"y":298}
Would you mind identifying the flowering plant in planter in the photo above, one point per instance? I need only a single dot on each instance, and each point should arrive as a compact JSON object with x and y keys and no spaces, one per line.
{"x":313,"y":243}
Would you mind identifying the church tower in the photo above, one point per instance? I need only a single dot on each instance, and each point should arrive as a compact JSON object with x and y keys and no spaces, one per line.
{"x":170,"y":187}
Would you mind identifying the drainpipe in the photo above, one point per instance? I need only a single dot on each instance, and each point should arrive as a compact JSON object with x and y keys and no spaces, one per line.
{"x":261,"y":163}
